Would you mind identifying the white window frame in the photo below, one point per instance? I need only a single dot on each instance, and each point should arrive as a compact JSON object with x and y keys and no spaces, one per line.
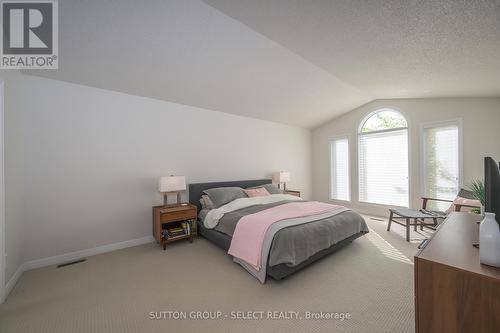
{"x":330,"y":141}
{"x":423,"y":151}
{"x":360,"y":133}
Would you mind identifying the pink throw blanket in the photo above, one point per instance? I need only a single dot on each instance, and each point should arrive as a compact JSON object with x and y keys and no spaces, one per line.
{"x":250,"y":231}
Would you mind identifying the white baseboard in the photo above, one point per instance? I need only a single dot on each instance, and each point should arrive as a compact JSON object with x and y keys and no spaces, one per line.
{"x":11,"y":283}
{"x":62,"y":258}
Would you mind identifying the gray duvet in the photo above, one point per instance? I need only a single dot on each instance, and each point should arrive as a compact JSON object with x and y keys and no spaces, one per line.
{"x":295,"y":244}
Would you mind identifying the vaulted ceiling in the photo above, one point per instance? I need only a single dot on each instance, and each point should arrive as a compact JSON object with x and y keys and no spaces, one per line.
{"x":291,"y":61}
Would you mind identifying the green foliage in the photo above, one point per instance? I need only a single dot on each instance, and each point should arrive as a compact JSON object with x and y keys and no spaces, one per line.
{"x":384,"y":120}
{"x":390,"y":121}
{"x":477,"y":188}
{"x":476,"y":210}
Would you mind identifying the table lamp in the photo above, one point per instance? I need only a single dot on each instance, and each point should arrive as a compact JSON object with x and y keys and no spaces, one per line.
{"x":281,"y":177}
{"x":172,"y":184}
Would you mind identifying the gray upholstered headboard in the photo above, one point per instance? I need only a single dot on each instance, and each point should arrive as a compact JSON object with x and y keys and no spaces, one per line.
{"x":196,"y":190}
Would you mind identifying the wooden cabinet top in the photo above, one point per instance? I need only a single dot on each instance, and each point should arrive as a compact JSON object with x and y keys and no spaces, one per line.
{"x":451,"y":245}
{"x":175,"y":208}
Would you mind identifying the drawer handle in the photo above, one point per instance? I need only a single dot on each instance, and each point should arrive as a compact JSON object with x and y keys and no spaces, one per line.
{"x":423,"y":243}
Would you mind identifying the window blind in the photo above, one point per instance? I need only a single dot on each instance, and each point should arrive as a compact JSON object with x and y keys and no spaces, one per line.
{"x":383,"y":167}
{"x":340,"y":189}
{"x":441,"y":164}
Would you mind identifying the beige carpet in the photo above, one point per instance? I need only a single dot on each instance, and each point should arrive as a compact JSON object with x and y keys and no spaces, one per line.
{"x":371,"y":279}
{"x":397,"y":235}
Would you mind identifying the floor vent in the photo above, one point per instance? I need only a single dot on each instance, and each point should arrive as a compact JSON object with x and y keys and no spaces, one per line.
{"x":375,"y":219}
{"x":71,"y":263}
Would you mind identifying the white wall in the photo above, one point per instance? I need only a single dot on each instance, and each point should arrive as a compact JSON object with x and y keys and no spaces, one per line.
{"x":14,"y":184}
{"x":481,"y":137}
{"x":90,"y":160}
{"x":2,"y":200}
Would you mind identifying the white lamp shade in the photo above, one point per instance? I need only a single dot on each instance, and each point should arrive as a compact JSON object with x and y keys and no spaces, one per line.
{"x":281,"y":177}
{"x":172,"y":184}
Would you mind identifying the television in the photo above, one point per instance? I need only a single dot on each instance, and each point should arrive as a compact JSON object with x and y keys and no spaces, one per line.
{"x":492,"y":187}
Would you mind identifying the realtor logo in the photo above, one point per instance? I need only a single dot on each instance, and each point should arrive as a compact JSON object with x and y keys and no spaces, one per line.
{"x":29,"y":35}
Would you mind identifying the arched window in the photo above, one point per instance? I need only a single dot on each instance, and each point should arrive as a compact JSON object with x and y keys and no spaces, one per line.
{"x":383,"y":159}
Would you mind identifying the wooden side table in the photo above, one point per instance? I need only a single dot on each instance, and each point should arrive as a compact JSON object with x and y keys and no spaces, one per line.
{"x":292,"y":192}
{"x":165,"y":216}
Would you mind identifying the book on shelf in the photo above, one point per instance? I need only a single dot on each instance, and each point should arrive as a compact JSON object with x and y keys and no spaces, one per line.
{"x":187,"y":227}
{"x":179,"y":230}
{"x":177,"y":236}
{"x":192,"y":226}
{"x":167,"y":235}
{"x":176,"y":233}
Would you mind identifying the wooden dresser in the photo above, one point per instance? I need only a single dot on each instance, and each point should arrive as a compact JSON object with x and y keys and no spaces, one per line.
{"x":453,"y":291}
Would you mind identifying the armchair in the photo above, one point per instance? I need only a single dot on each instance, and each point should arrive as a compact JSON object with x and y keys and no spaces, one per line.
{"x":416,"y":217}
{"x":456,"y":205}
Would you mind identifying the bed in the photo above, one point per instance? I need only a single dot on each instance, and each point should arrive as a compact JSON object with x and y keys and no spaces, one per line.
{"x":280,"y":270}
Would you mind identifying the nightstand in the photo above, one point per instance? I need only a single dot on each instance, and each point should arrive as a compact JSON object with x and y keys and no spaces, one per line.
{"x":174,"y":217}
{"x":292,"y":192}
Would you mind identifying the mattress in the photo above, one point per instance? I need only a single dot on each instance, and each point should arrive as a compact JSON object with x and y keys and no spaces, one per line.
{"x":294,"y":244}
{"x":280,"y":271}
{"x":278,"y":240}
